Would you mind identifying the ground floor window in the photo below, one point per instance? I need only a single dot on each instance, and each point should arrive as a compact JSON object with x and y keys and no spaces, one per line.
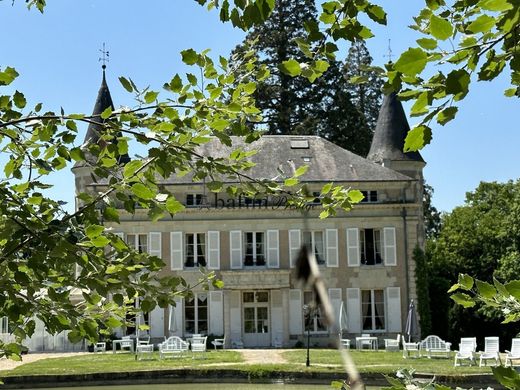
{"x":313,"y":318}
{"x":196,"y":314}
{"x":195,"y":250}
{"x":256,"y":311}
{"x":373,"y":309}
{"x":139,"y":242}
{"x":255,"y":248}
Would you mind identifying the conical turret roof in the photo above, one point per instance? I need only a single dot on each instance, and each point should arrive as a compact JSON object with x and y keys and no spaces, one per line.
{"x":391,"y":130}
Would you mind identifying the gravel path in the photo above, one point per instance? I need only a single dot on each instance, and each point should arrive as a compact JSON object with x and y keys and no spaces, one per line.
{"x":7,"y":364}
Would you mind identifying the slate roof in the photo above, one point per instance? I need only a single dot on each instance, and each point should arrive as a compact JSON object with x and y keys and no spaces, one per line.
{"x":390,"y":133}
{"x":327,"y":162}
{"x":103,"y":101}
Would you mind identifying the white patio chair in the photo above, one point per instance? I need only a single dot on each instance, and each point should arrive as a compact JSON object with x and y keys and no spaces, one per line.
{"x":219,"y":343}
{"x":514,"y":354}
{"x":198,"y":346}
{"x":491,"y":351}
{"x":466,"y":351}
{"x":100,"y":347}
{"x":345,"y":343}
{"x":365,"y":343}
{"x":392,"y":344}
{"x":127,"y":344}
{"x":410,"y":349}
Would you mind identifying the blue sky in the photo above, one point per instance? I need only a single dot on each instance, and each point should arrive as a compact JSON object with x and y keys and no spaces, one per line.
{"x":57,"y":56}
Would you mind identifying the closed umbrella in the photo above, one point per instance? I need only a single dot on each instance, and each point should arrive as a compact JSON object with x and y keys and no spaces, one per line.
{"x":411,"y":329}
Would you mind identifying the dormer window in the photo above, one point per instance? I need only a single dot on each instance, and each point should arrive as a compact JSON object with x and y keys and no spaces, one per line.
{"x":194,"y":200}
{"x":369,"y":196}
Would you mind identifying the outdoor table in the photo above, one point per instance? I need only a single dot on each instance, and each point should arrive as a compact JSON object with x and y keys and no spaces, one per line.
{"x":120,"y":342}
{"x":371,"y":339}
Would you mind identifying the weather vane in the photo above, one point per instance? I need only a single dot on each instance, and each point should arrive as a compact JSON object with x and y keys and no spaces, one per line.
{"x":389,"y":55}
{"x":105,"y":56}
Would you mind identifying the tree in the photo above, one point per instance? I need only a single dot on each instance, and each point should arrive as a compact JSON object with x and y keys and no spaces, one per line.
{"x":365,"y":90}
{"x":432,"y":217}
{"x":298,"y":105}
{"x":477,"y":239}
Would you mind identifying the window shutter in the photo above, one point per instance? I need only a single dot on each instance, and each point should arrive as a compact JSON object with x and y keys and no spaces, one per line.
{"x":154,"y":244}
{"x":176,"y":250}
{"x":390,"y":253}
{"x":393,"y":304}
{"x":353,"y":247}
{"x":294,"y":245}
{"x":157,"y":322}
{"x":213,"y":250}
{"x":277,"y":317}
{"x":216,"y":313}
{"x":354,"y":310}
{"x":176,"y":318}
{"x":273,"y":255}
{"x":295,"y":312}
{"x":235,"y":318}
{"x":235,"y":243}
{"x":332,"y":247}
{"x":335,"y":302}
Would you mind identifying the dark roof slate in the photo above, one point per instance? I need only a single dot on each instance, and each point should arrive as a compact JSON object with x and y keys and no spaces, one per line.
{"x":391,"y":130}
{"x":327,"y":162}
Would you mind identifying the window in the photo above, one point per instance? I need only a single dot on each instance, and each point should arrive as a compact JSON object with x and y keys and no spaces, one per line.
{"x":196,"y":314}
{"x":373,"y":309}
{"x":369,"y":196}
{"x":314,"y":241}
{"x":194,"y":199}
{"x":139,"y":242}
{"x":195,"y":250}
{"x":314,"y":322}
{"x":255,"y":248}
{"x":370,"y":242}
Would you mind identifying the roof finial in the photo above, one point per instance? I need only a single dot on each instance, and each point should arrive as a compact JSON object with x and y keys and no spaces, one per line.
{"x":104,"y":57}
{"x":389,"y":55}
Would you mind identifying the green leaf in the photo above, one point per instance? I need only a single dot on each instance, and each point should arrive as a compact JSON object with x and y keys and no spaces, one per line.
{"x":110,"y":214}
{"x":411,"y":62}
{"x":465,"y":281}
{"x":417,"y":138}
{"x":495,"y":5}
{"x":126,"y":84}
{"x":143,"y":192}
{"x":376,"y":13}
{"x":457,"y":83}
{"x":507,"y":376}
{"x":485,"y":289}
{"x":215,"y":186}
{"x":446,"y":115}
{"x":440,"y":28}
{"x":19,"y":100}
{"x":291,"y":182}
{"x":173,"y":205}
{"x":106,"y":113}
{"x":513,"y":288}
{"x":100,"y":241}
{"x":427,"y":43}
{"x":94,"y":231}
{"x":131,"y":168}
{"x":291,"y":67}
{"x":326,"y":188}
{"x":301,"y":170}
{"x":355,"y":196}
{"x":150,"y":96}
{"x":483,"y":23}
{"x":502,"y":290}
{"x":176,"y":84}
{"x":463,"y":299}
{"x":8,"y":75}
{"x":189,"y":57}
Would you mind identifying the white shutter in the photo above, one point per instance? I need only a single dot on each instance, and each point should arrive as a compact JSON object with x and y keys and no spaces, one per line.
{"x":294,"y":246}
{"x":277,"y":317}
{"x":157,"y":322}
{"x":354,"y":310}
{"x":154,"y":244}
{"x":213,"y":250}
{"x":216,"y":313}
{"x":295,"y":312}
{"x":235,"y":245}
{"x":273,"y":257}
{"x":335,"y":302}
{"x":332,"y":247}
{"x":389,"y":240}
{"x":235,"y":318}
{"x":353,"y":247}
{"x":393,"y":304}
{"x":176,"y":318}
{"x":177,"y":258}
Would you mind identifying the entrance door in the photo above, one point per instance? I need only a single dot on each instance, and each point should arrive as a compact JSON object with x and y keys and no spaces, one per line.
{"x":256,"y":319}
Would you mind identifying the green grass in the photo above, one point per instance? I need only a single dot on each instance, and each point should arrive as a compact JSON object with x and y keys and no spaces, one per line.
{"x":121,"y":362}
{"x":383,"y":362}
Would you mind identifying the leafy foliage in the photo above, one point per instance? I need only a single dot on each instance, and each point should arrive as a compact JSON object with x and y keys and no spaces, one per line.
{"x":422,"y":279}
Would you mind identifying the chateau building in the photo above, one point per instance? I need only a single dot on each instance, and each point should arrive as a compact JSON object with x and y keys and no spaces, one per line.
{"x":365,"y":255}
